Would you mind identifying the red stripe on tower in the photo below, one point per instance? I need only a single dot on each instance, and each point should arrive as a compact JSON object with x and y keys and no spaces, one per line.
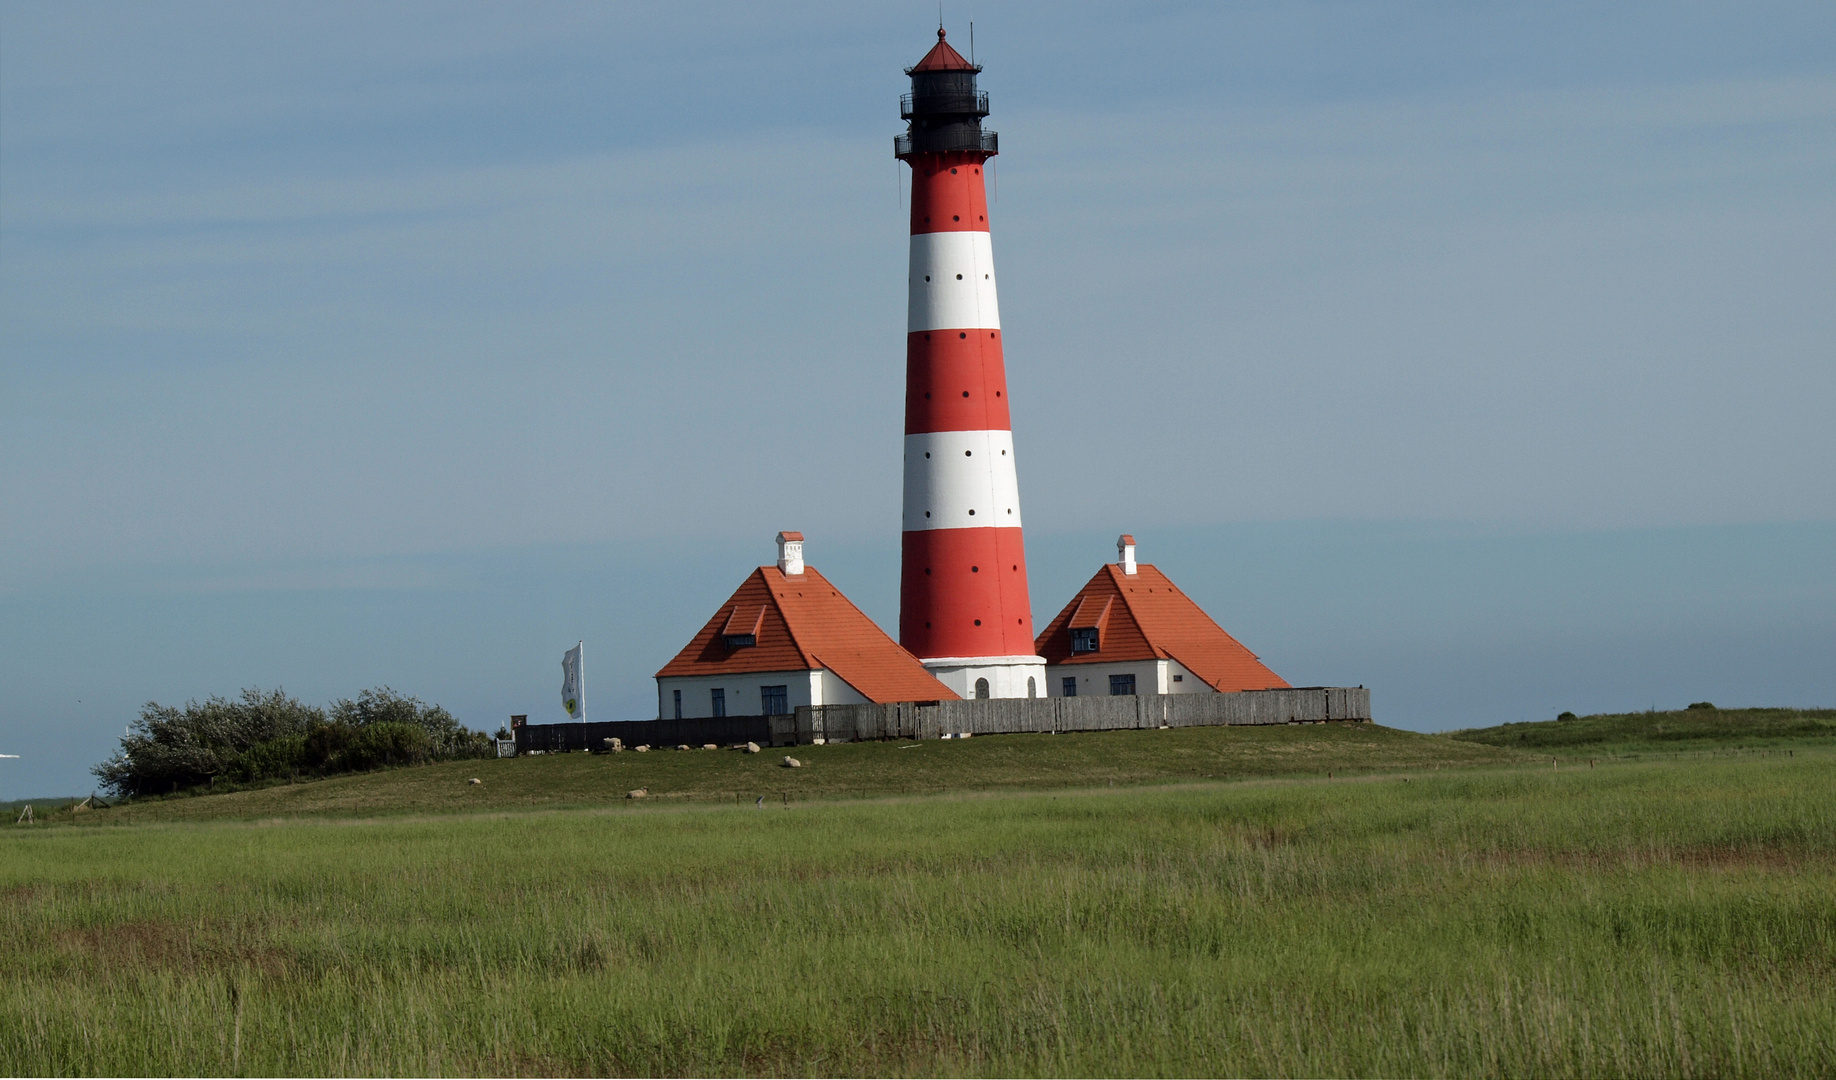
{"x":963,"y":605}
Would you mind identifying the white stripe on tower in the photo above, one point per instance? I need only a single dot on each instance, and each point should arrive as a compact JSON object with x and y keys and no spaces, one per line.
{"x":961,"y":480}
{"x":952,"y":283}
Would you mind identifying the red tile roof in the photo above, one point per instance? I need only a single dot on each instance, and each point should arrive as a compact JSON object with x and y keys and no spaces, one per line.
{"x":803,"y":623}
{"x":1153,"y":621}
{"x":941,"y":58}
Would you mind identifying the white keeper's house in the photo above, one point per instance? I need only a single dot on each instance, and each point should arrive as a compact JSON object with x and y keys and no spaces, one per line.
{"x":787,"y":637}
{"x":1130,"y":630}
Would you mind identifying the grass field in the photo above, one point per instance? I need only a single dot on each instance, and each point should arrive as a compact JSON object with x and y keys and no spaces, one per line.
{"x":1680,"y":732}
{"x":854,"y":770}
{"x":1673,"y":917}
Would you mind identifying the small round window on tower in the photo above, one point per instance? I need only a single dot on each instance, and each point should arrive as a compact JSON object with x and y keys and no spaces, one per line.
{"x":959,"y":277}
{"x":975,"y":569}
{"x":956,"y":217}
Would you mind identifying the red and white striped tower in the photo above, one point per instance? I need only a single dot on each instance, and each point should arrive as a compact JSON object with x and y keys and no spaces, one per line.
{"x":963,"y":607}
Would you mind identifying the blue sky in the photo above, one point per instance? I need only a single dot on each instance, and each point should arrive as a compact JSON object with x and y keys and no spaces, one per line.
{"x":1478,"y":353}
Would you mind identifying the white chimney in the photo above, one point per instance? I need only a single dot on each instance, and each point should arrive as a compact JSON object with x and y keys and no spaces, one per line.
{"x":1125,"y":553}
{"x":790,"y":553}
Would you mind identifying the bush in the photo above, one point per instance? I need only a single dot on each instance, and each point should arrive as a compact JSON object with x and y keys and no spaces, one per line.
{"x":268,"y":735}
{"x":1703,"y":705}
{"x":1566,"y":716}
{"x":387,"y":743}
{"x":446,"y":737}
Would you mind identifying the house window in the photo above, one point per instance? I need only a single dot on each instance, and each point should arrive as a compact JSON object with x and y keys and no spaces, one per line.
{"x":1121,"y":684}
{"x":741,"y":641}
{"x":718,"y":698}
{"x":1069,"y":686}
{"x":1179,"y":678}
{"x":1032,"y":688}
{"x":1084,"y":640}
{"x":678,"y":694}
{"x":775,"y":700}
{"x":981,"y":689}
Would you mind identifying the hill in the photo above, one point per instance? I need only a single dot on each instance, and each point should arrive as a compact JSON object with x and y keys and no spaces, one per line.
{"x":854,"y":770}
{"x":1683,"y":730}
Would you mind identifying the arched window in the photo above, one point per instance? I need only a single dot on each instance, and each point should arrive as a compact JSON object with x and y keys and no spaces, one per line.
{"x":1032,"y":688}
{"x":981,"y":689}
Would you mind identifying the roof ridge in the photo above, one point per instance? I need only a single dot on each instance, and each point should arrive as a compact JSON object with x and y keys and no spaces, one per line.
{"x":1116,"y":577}
{"x":773,"y":599}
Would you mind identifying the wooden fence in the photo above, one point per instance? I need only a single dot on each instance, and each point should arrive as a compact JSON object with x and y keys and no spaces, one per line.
{"x":935,"y":719}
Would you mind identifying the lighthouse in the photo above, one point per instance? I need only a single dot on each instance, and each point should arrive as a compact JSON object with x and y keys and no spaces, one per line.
{"x":963,"y":605}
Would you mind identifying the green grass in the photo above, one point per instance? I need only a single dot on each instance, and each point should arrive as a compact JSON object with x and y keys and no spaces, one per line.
{"x":1647,"y":918}
{"x":1685,"y":731}
{"x":854,"y":770}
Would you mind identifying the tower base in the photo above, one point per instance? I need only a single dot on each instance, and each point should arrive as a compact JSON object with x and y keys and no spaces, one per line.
{"x":1007,"y":676}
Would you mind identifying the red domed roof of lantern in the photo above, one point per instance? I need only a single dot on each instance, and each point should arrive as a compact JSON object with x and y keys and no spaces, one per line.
{"x":941,"y":58}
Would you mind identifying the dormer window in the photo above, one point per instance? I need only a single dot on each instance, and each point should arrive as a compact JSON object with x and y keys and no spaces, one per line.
{"x":1087,"y":622}
{"x":743,"y":626}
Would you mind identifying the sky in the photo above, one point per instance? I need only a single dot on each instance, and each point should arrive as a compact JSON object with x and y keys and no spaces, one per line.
{"x":1480,"y":353}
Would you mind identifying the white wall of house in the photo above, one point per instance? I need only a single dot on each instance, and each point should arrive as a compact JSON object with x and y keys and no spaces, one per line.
{"x":835,"y":691}
{"x":1151,"y":677}
{"x":1180,"y":680}
{"x":745,"y":696}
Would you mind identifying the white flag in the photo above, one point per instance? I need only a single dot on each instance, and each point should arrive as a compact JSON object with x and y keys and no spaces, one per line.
{"x":573,"y":683}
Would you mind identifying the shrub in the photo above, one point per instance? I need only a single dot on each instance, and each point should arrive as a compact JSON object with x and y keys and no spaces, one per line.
{"x":1702,"y":705}
{"x":384,"y":744}
{"x":268,"y":735}
{"x":446,"y":737}
{"x":1566,"y":716}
